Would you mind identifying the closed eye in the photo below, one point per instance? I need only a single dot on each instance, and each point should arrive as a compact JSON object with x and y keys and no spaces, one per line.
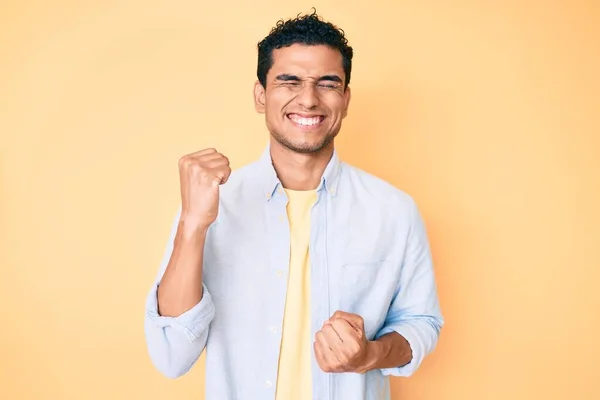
{"x":328,"y":86}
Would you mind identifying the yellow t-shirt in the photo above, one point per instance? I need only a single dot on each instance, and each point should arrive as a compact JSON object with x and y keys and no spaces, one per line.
{"x":294,"y":377}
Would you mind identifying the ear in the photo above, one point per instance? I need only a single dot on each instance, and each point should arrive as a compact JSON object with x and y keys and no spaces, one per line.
{"x":347,"y":96}
{"x":259,"y":97}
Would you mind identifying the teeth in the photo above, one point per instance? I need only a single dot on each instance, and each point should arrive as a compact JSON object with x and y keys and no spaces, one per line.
{"x":305,"y":121}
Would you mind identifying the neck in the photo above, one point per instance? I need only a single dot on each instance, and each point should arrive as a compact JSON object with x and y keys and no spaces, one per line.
{"x":299,"y":171}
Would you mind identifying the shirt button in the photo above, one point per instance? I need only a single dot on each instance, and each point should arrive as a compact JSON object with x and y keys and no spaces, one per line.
{"x":273,"y":329}
{"x":281,"y":218}
{"x":269,"y":383}
{"x":280,"y":273}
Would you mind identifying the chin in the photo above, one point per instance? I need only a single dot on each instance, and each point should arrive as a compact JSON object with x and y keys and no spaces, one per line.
{"x":304,"y":149}
{"x":302,"y":145}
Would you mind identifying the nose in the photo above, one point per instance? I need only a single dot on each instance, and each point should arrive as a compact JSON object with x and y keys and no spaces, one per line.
{"x":308,"y":96}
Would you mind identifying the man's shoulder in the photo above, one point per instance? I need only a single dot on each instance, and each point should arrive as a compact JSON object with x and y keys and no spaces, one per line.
{"x":375,"y":187}
{"x":242,"y":180}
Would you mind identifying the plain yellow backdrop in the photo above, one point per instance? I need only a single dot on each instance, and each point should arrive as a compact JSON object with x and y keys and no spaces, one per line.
{"x":487,"y":113}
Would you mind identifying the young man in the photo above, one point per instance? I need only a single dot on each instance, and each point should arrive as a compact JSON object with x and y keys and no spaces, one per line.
{"x":303,"y":277}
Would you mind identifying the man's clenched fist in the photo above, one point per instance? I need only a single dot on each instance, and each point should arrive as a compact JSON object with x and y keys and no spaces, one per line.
{"x":200,"y":175}
{"x":341,"y":344}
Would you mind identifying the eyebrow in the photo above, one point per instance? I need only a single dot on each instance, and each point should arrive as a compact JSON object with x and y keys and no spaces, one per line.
{"x":287,"y":77}
{"x":290,"y":77}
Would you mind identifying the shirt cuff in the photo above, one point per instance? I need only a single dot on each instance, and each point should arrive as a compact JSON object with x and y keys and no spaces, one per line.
{"x":191,"y":323}
{"x":412,"y":336}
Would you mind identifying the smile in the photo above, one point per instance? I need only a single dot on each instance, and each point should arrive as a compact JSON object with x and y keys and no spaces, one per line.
{"x":306,"y":122}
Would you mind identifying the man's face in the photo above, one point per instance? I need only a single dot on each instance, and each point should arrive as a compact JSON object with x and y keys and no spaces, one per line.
{"x":305,"y":99}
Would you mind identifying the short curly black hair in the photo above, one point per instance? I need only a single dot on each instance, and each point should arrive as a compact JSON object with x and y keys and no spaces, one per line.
{"x":310,"y":30}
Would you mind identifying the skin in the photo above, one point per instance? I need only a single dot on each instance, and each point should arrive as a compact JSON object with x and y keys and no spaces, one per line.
{"x":200,"y":175}
{"x":305,"y":82}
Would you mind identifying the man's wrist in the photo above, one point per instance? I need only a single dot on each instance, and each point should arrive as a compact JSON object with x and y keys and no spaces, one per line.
{"x":390,"y":350}
{"x":191,"y":228}
{"x":375,"y":353}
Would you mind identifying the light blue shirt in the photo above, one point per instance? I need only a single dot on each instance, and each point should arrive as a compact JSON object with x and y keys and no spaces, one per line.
{"x":369,"y":255}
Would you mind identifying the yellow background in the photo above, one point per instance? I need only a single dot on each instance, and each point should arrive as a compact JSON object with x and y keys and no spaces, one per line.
{"x":485,"y":112}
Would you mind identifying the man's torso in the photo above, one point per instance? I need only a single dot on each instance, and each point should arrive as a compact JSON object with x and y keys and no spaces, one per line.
{"x":359,"y":226}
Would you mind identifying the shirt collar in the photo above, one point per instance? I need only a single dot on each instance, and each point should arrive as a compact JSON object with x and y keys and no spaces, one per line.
{"x":271,"y":183}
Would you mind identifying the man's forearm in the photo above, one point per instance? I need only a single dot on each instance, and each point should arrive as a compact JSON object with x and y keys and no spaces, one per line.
{"x":389,"y":351}
{"x":180,"y":288}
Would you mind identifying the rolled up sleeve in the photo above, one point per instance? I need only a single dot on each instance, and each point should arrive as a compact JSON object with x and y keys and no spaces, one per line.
{"x":192,"y":324}
{"x":175,"y":343}
{"x":415,"y":312}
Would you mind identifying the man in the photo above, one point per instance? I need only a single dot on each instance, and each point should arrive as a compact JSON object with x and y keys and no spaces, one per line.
{"x":301,"y":276}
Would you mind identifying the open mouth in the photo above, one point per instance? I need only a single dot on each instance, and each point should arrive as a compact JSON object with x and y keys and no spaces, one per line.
{"x":306,"y":121}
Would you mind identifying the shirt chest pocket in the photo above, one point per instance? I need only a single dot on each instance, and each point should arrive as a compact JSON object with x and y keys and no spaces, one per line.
{"x":366,"y":289}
